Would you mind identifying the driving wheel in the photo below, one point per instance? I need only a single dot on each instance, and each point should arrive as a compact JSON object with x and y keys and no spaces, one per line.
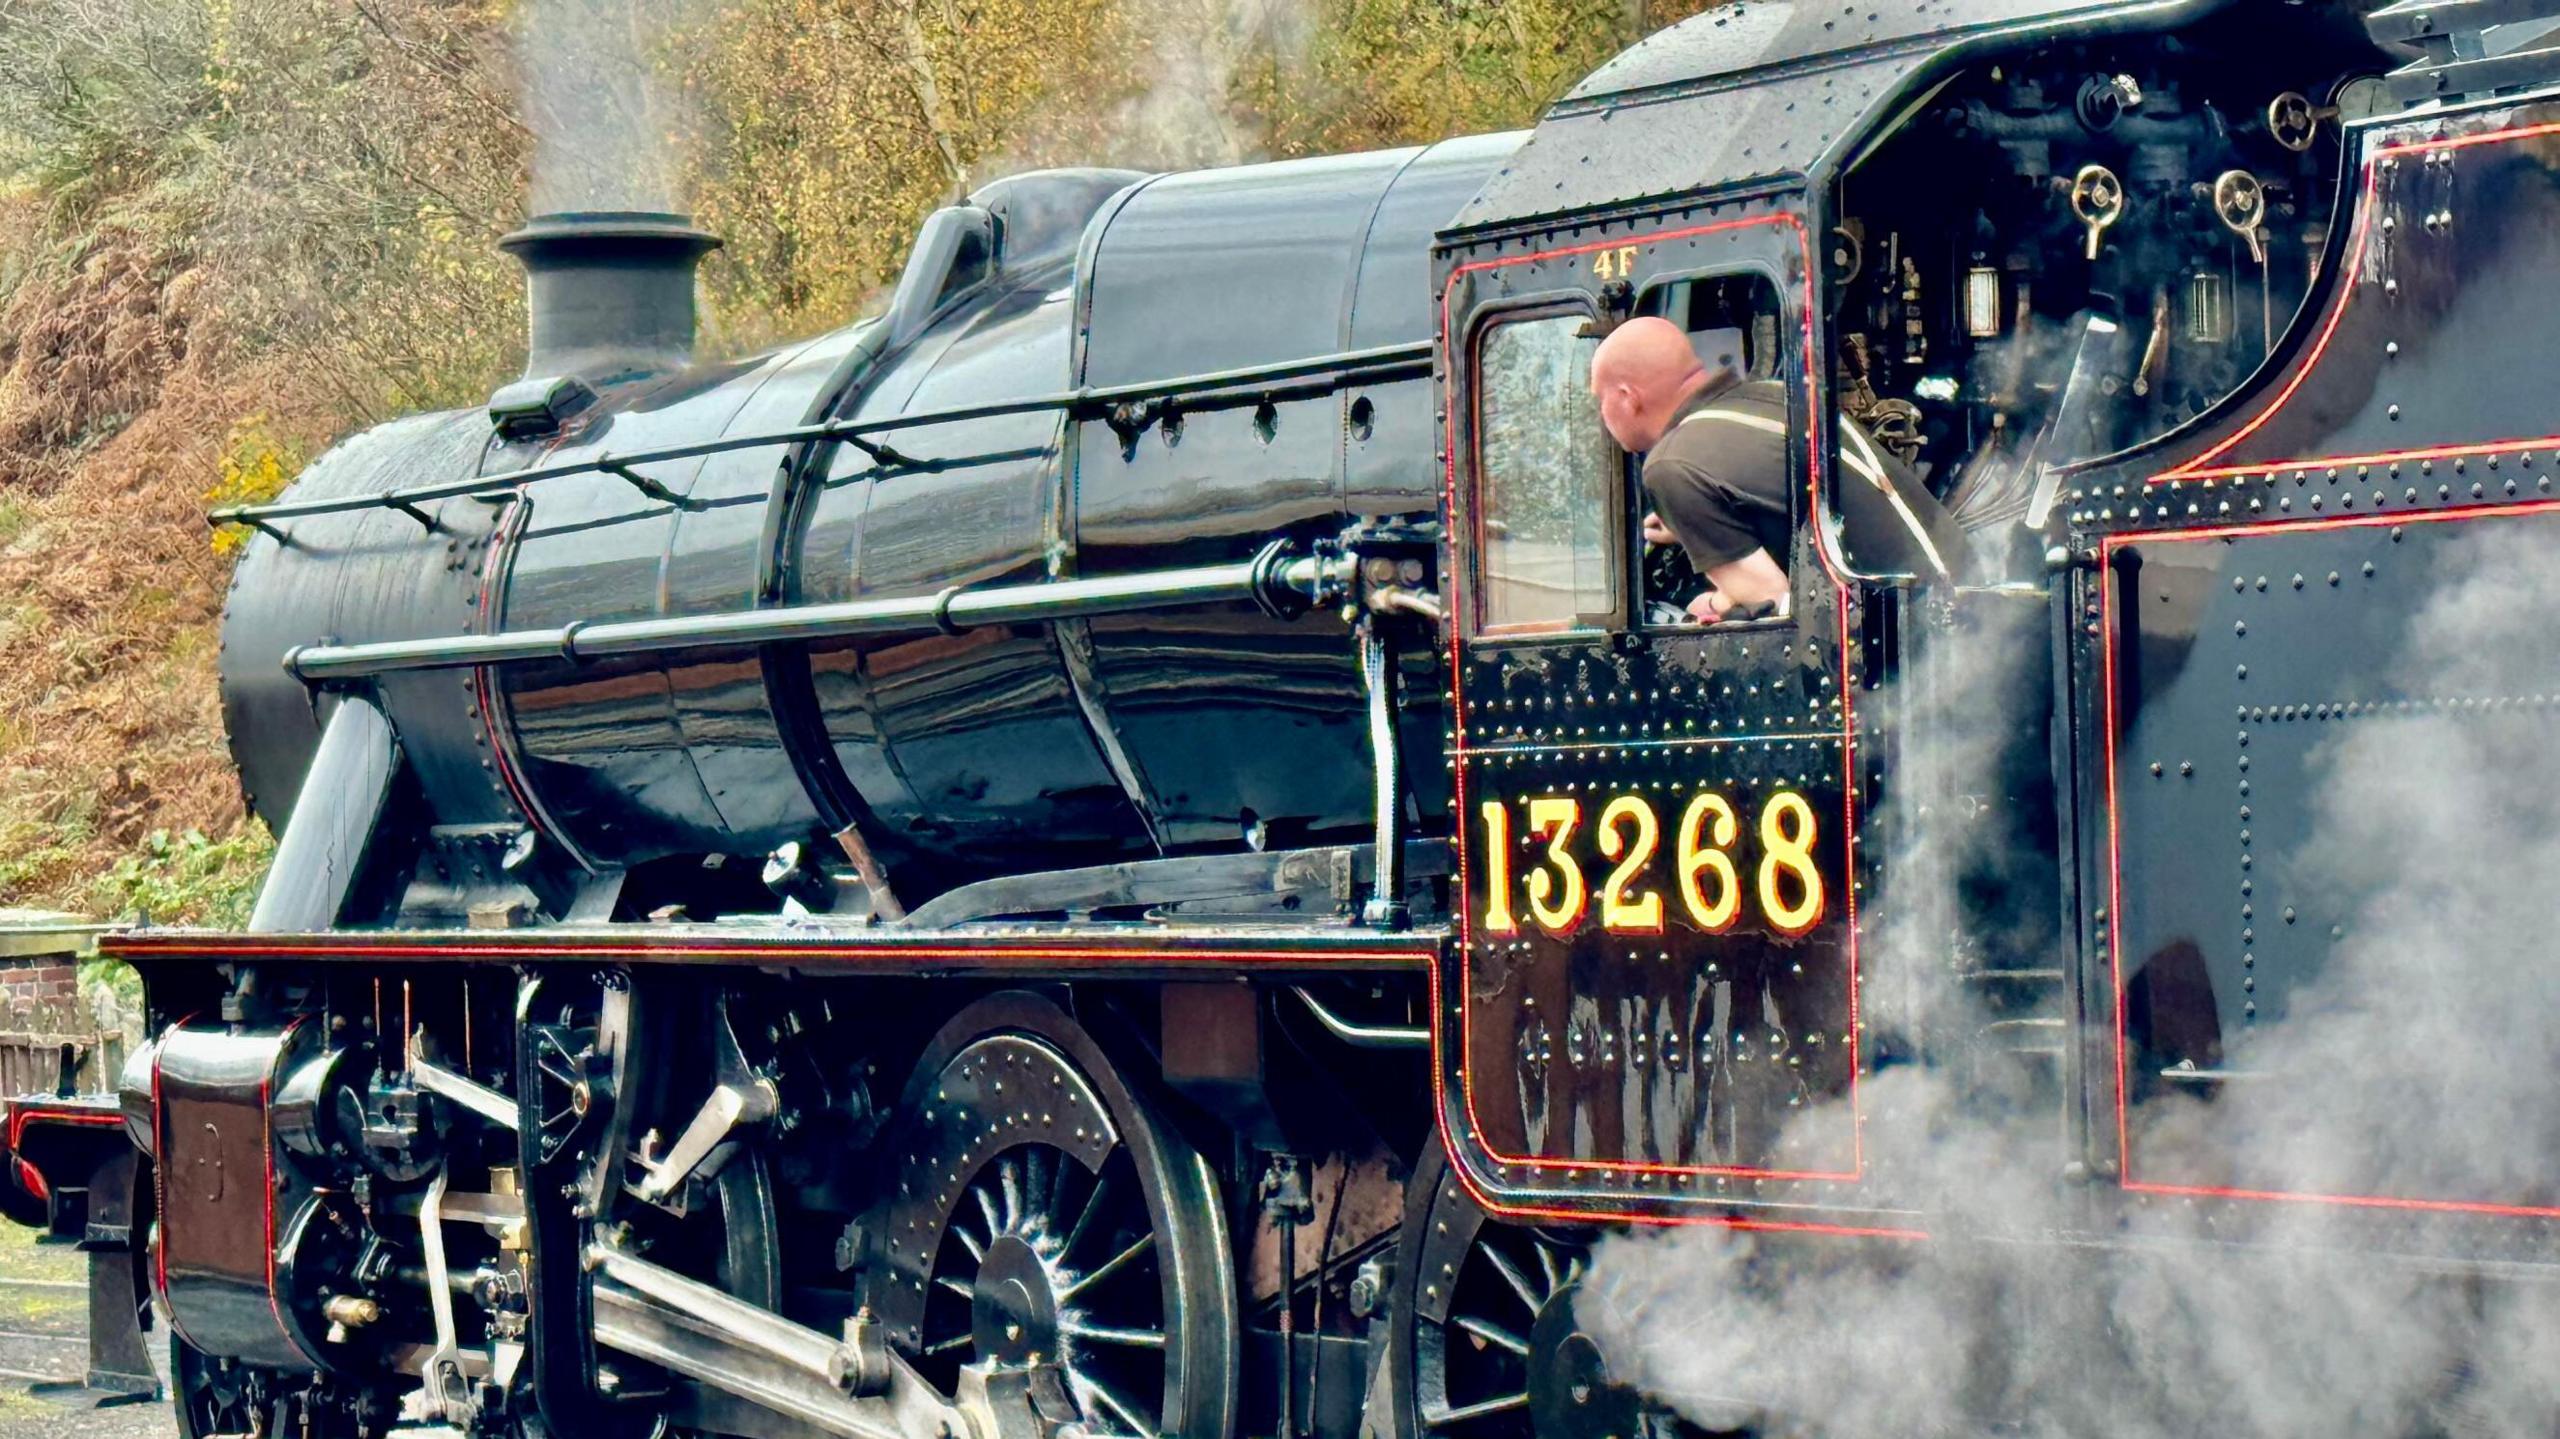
{"x":1485,"y":1345}
{"x":1045,"y":1213}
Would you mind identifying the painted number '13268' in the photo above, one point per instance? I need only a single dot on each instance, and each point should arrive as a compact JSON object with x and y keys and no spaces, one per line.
{"x":1706,"y":878}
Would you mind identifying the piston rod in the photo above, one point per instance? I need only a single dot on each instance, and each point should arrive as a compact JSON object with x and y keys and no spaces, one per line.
{"x":704,"y":1334}
{"x":1274,"y":579}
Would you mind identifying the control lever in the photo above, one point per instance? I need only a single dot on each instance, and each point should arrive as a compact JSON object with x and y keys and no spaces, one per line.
{"x":2240,"y":203}
{"x":739,"y":1095}
{"x":2097,"y":198}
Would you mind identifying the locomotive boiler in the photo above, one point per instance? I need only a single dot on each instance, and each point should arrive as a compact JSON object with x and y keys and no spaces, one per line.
{"x":1137,"y":845}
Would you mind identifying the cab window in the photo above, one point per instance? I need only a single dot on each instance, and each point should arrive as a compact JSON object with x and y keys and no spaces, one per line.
{"x":1549,"y":505}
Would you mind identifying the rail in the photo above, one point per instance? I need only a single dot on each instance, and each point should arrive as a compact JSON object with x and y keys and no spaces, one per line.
{"x":1215,"y":389}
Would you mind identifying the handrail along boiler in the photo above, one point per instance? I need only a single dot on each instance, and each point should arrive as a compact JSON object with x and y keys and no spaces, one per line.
{"x":1138,"y":842}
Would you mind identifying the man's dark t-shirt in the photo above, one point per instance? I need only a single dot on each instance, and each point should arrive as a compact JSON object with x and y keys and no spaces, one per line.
{"x":1720,"y":480}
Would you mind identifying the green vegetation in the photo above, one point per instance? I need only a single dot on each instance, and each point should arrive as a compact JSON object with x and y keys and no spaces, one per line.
{"x":23,"y":1255}
{"x":187,"y":877}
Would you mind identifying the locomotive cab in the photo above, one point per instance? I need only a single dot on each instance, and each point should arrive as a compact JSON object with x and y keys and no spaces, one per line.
{"x":1715,"y":875}
{"x":1655,"y":963}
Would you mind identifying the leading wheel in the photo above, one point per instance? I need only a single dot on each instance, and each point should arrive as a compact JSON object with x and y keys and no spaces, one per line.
{"x":1045,"y":1213}
{"x":1485,"y":1345}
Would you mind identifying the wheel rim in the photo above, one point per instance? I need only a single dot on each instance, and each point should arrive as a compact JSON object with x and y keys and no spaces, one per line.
{"x":1044,"y":1213}
{"x":1493,"y":1364}
{"x":1487,"y":1346}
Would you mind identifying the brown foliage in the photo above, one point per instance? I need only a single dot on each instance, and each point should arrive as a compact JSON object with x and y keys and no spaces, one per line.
{"x":108,"y":592}
{"x":82,"y":350}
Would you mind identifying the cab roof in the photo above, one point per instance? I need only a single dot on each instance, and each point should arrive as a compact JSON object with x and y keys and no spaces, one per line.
{"x":1757,"y":90}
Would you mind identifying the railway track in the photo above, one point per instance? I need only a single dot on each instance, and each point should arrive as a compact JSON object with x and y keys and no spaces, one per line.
{"x":43,"y":1352}
{"x":41,"y":1335}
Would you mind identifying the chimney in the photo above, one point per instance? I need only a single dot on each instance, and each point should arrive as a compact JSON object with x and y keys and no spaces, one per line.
{"x":609,"y":293}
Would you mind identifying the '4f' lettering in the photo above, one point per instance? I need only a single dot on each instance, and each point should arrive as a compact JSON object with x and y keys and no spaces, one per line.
{"x":1618,"y":262}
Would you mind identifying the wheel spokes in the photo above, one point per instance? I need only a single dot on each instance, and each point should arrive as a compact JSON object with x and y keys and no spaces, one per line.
{"x":1492,"y":1333}
{"x":1092,"y":1206}
{"x":1511,"y":1275}
{"x":1104,"y":1334}
{"x":1483,"y":1408}
{"x":1108,"y":1267}
{"x":1104,"y":1397}
{"x":1077,"y":1235}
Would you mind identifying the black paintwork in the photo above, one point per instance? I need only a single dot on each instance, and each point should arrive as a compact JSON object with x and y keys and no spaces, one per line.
{"x":225,"y":1195}
{"x":962,"y":756}
{"x":1581,"y":1047}
{"x":2252,"y":588}
{"x":1760,"y":93}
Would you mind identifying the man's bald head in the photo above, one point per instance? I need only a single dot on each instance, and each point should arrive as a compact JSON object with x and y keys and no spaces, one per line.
{"x":1641,"y":375}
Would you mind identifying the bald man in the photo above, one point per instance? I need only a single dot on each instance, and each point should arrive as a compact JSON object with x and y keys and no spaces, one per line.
{"x":1715,"y":468}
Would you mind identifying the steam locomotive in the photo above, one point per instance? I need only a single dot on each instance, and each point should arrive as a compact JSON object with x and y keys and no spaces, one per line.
{"x":1137,"y":845}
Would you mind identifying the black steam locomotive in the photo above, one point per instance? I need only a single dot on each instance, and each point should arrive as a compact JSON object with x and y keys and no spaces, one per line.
{"x":1138,"y":845}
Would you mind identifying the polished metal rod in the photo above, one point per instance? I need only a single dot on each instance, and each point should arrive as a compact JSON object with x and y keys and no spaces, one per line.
{"x":1272,"y":578}
{"x":1320,"y":374}
{"x":1363,"y":1036}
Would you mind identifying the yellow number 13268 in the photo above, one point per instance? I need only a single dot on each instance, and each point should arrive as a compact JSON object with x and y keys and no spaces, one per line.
{"x":1786,"y":883}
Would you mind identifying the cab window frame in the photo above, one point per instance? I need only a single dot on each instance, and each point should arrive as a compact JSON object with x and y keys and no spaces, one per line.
{"x":1615,"y":559}
{"x":1800,"y":402}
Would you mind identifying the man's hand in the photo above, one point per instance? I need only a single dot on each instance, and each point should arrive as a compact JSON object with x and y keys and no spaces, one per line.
{"x":1656,"y":532}
{"x":1709,"y":607}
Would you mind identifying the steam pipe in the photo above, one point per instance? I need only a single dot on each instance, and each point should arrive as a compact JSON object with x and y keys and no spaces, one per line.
{"x":1363,"y":1036}
{"x":1215,"y":389}
{"x":1272,"y":579}
{"x":1386,"y":906}
{"x":343,"y":797}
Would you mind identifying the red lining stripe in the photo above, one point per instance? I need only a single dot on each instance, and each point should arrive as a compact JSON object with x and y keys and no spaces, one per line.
{"x":267,"y":1155}
{"x":1493,"y":1204}
{"x":160,"y":1190}
{"x":209,"y":947}
{"x":2352,"y":1201}
{"x":20,"y":1116}
{"x":2115,"y":856}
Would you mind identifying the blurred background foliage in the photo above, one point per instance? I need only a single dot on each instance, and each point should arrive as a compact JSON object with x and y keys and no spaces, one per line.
{"x":232,"y":231}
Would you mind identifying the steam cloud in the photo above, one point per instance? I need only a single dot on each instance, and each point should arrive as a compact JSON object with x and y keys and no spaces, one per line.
{"x":2421,"y":1063}
{"x":1187,"y":118}
{"x":609,"y":125}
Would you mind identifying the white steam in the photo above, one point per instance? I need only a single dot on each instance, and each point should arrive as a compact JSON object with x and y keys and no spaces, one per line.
{"x":1188,"y":116}
{"x":2421,"y":1063}
{"x":610,"y":122}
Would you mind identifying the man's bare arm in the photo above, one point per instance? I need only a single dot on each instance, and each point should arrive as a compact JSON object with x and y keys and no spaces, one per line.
{"x":1754,"y":583}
